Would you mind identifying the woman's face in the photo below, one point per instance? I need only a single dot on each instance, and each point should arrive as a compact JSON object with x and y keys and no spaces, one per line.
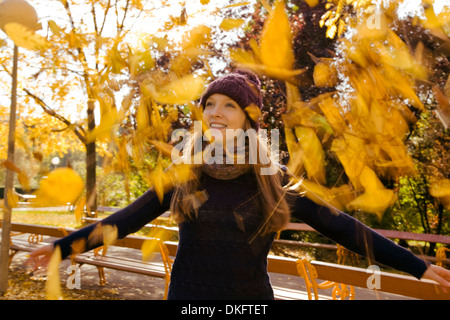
{"x":222,"y":113}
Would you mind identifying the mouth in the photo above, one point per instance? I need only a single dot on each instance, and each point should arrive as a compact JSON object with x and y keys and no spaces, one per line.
{"x":217,"y":125}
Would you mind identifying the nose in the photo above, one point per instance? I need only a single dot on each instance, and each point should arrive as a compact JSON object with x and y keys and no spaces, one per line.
{"x":216,"y":111}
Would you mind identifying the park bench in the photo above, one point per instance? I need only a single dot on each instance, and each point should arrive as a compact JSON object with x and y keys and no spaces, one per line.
{"x":439,"y":259}
{"x":98,"y":257}
{"x":391,"y":283}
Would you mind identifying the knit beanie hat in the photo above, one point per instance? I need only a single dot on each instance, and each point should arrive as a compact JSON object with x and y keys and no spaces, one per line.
{"x":243,"y":87}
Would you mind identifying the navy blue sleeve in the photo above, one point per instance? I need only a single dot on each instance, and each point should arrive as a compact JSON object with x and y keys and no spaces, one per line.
{"x":357,"y":237}
{"x":127,"y":220}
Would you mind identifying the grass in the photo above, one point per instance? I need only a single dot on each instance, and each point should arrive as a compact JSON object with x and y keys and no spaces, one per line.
{"x":66,"y":219}
{"x":48,"y":218}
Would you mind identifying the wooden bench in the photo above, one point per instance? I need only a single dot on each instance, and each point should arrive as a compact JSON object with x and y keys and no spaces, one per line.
{"x":391,"y":283}
{"x":101,"y":261}
{"x":392,"y":234}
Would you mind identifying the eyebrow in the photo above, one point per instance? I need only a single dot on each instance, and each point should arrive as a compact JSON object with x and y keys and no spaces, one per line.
{"x":227,"y":99}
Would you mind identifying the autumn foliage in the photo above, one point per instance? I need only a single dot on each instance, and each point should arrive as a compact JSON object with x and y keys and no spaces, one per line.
{"x":358,"y":92}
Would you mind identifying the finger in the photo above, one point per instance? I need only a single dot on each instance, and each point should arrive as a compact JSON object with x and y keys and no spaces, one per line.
{"x":436,"y":276}
{"x":444,"y":274}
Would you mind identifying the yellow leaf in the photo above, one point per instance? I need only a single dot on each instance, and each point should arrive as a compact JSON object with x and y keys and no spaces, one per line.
{"x":23,"y":180}
{"x":253,"y":112}
{"x":158,"y":180}
{"x":313,"y":151}
{"x":183,"y":90}
{"x":163,"y":147}
{"x":296,"y":154}
{"x":53,"y":283}
{"x":312,"y":3}
{"x":142,"y":116}
{"x":13,"y":198}
{"x":197,"y":115}
{"x":333,"y":115}
{"x":151,"y":246}
{"x":197,"y":36}
{"x":277,"y":73}
{"x":334,"y":198}
{"x":229,"y":24}
{"x":148,"y":249}
{"x":78,"y":246}
{"x":79,"y":210}
{"x":324,"y":75}
{"x":373,"y":201}
{"x":369,"y":179}
{"x":350,"y":151}
{"x":26,"y":38}
{"x":21,"y":176}
{"x":108,"y":119}
{"x":276,"y":40}
{"x":60,"y":187}
{"x":54,"y":28}
{"x":440,"y":189}
{"x":157,"y":123}
{"x":110,"y":234}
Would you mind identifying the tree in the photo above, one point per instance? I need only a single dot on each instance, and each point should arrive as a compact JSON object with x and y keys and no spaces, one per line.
{"x":348,"y":142}
{"x":77,"y":73}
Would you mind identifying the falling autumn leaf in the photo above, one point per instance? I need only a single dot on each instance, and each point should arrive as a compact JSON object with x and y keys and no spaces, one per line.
{"x":324,"y":75}
{"x":13,"y":199}
{"x":374,"y":201}
{"x":151,"y":246}
{"x":60,"y":187}
{"x":440,"y":189}
{"x":110,"y":234}
{"x":26,"y":38}
{"x":313,"y":151}
{"x":157,"y":179}
{"x":276,"y":40}
{"x":21,"y":176}
{"x":180,"y":91}
{"x":163,"y":147}
{"x":79,"y":209}
{"x":53,"y":284}
{"x":334,"y":198}
{"x":253,"y":112}
{"x":312,"y":3}
{"x":275,"y":51}
{"x":229,"y":24}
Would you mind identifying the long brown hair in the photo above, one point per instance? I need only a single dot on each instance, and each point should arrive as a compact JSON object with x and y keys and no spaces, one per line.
{"x":187,"y":197}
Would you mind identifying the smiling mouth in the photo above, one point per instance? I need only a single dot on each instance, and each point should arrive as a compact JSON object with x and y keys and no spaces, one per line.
{"x":217,"y":125}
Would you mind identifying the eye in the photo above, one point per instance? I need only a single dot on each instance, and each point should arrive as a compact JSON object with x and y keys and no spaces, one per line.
{"x":208,"y":104}
{"x":231,"y":105}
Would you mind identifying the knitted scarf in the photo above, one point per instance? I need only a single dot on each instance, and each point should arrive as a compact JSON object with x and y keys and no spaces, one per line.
{"x":218,"y":168}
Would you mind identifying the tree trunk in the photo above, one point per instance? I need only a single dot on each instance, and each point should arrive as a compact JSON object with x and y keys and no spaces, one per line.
{"x":91,"y":192}
{"x":9,"y":186}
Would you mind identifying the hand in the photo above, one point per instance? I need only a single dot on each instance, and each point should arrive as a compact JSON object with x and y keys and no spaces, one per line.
{"x":40,"y":258}
{"x":440,"y":275}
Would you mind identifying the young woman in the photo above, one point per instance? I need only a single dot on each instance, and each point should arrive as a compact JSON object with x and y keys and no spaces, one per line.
{"x":229,"y":214}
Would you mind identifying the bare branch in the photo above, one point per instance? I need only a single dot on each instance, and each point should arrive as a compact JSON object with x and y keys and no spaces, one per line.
{"x":79,"y":132}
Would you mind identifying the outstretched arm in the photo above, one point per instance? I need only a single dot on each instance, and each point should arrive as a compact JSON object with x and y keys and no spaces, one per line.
{"x":357,"y":237}
{"x":127,"y":220}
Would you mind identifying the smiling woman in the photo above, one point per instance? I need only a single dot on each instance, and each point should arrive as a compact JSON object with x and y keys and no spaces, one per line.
{"x":228,"y":216}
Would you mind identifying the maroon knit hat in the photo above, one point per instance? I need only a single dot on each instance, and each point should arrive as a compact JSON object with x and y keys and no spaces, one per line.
{"x":242,"y":86}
